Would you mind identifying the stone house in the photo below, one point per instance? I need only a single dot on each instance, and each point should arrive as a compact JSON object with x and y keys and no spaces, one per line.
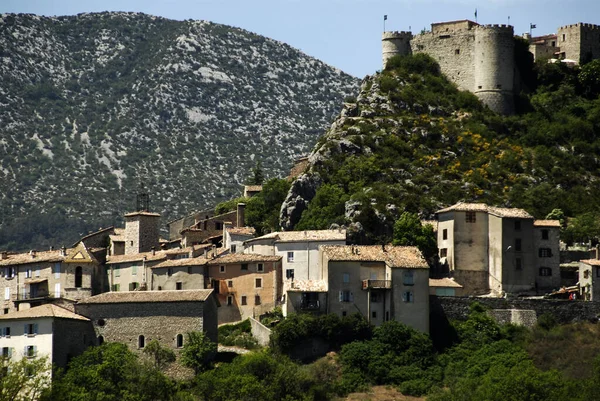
{"x":135,"y":318}
{"x":299,"y":252}
{"x":45,"y":330}
{"x":444,"y":287}
{"x":380,"y":282}
{"x":589,"y":279}
{"x":179,"y":274}
{"x":498,"y":250}
{"x":246,"y":285}
{"x":34,"y":278}
{"x":234,"y":237}
{"x":251,"y":190}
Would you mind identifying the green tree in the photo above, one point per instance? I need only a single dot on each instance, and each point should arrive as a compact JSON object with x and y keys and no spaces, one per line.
{"x":325,"y":209}
{"x":257,"y":174}
{"x":556,"y":214}
{"x":589,"y":79}
{"x":24,"y":379}
{"x":262,"y":210}
{"x":408,"y":231}
{"x":198,"y":351}
{"x":160,"y":356}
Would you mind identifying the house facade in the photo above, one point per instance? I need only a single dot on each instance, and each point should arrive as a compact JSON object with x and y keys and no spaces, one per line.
{"x":380,"y":282}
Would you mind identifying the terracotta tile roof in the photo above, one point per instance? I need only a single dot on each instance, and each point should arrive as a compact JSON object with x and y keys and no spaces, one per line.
{"x":199,"y":261}
{"x":142,"y":214}
{"x":299,"y":236}
{"x":148,"y":296}
{"x":546,"y":223}
{"x":307,"y":286}
{"x":253,"y":188}
{"x":591,"y":262}
{"x":135,"y":257}
{"x":444,"y":282}
{"x":26,"y":258}
{"x":47,"y":310}
{"x":241,"y":230}
{"x":482,"y":207}
{"x":393,"y":256}
{"x":243,"y":258}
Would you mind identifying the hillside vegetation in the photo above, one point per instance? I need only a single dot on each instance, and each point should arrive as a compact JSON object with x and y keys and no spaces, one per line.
{"x":93,"y":105}
{"x":410,"y":141}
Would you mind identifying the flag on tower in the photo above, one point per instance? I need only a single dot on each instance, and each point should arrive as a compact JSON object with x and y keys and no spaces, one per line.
{"x":475,"y":13}
{"x":385,"y":17}
{"x":532,"y":26}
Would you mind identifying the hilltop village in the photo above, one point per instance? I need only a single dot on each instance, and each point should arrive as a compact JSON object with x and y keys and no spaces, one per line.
{"x":129,"y":285}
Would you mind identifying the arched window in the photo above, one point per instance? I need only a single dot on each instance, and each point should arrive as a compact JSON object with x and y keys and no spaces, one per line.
{"x":179,"y":340}
{"x":100,"y":340}
{"x":141,"y":342}
{"x":78,"y":277}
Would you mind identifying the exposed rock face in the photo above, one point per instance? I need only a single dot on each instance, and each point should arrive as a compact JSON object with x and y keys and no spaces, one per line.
{"x":302,"y":191}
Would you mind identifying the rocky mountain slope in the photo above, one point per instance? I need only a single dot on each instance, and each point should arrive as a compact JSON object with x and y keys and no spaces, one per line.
{"x":411,"y":141}
{"x":95,"y":104}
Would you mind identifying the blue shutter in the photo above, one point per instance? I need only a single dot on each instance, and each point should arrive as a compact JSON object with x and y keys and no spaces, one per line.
{"x":25,"y":330}
{"x":35,"y":328}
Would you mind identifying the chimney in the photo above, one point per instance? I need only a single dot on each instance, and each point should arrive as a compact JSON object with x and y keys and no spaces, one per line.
{"x":214,"y":251}
{"x":153,"y":251}
{"x":63,"y":251}
{"x":383,"y":248}
{"x":205,"y":253}
{"x":3,"y":255}
{"x":32,"y":253}
{"x":241,"y":211}
{"x":51,"y":248}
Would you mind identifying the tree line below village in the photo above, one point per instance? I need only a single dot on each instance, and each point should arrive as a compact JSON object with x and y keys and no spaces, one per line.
{"x":475,"y":359}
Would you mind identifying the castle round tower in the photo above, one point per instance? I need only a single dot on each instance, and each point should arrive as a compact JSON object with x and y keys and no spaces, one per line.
{"x":394,"y":43}
{"x":494,"y":67}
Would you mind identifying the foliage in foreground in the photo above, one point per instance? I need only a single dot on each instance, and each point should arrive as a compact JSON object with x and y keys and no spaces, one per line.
{"x":23,"y":380}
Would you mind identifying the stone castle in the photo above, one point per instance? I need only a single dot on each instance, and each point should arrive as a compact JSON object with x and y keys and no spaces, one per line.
{"x":480,"y":58}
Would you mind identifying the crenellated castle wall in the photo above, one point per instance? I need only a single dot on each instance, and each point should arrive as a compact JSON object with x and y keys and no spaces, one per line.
{"x":579,"y":42}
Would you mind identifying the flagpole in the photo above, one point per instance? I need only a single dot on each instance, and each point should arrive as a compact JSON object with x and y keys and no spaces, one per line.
{"x":384,"y":19}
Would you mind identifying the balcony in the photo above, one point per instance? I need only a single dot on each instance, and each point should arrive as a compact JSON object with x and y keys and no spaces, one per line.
{"x":376,"y":284}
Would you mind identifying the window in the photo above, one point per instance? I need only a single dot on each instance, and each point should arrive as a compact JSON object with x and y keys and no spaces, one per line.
{"x":218,"y":225}
{"x":56,"y":290}
{"x":545,"y":234}
{"x":258,"y":283}
{"x":134,"y":270}
{"x":457,"y":51}
{"x":470,"y":217}
{"x":375,"y":297}
{"x":117,"y":270}
{"x":100,"y":340}
{"x":444,"y":253}
{"x":290,"y":256}
{"x":116,"y":287}
{"x":344,"y":313}
{"x":545,"y":253}
{"x":101,"y":322}
{"x":179,"y":285}
{"x":28,"y":272}
{"x":179,"y":340}
{"x":222,"y":269}
{"x":244,"y":300}
{"x":229,"y":300}
{"x":216,"y":285}
{"x":517,"y":225}
{"x":6,"y":294}
{"x":37,"y":271}
{"x":230,"y":283}
{"x":407,"y":296}
{"x":141,"y":342}
{"x":545,"y":271}
{"x":134,"y":286}
{"x":408,"y":278}
{"x":374,"y":315}
{"x":30,"y":351}
{"x":5,"y":332}
{"x":518,"y":244}
{"x":6,"y":352}
{"x":346,"y":296}
{"x":244,"y":266}
{"x":233,"y":248}
{"x":257,"y":300}
{"x":445,"y":233}
{"x":289,"y":273}
{"x":169,"y":271}
{"x":78,"y":277}
{"x":564,"y":37}
{"x":518,"y":264}
{"x":260,"y":267}
{"x":346,"y":278}
{"x":30,"y":329}
{"x":57,"y":270}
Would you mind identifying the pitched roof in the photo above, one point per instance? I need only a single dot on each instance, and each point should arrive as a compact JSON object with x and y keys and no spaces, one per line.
{"x":243,"y":258}
{"x":241,"y":230}
{"x":136,"y":257}
{"x":27,"y":258}
{"x":308,"y":286}
{"x":141,"y":213}
{"x":393,"y":256}
{"x":591,"y":262}
{"x":199,"y":261}
{"x":444,"y":282}
{"x":546,"y":223}
{"x":148,"y":296}
{"x":300,"y":236}
{"x":253,"y":188}
{"x":482,"y":207}
{"x":46,"y":310}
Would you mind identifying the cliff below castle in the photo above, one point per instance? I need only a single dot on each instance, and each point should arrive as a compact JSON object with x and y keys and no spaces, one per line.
{"x":94,"y":104}
{"x":411,"y":141}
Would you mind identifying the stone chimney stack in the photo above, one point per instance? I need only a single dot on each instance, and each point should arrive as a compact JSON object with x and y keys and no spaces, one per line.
{"x":32,"y":253}
{"x":241,"y":212}
{"x":3,"y":255}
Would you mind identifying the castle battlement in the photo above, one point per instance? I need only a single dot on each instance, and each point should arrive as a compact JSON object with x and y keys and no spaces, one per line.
{"x":497,"y":27}
{"x":581,"y":24}
{"x":396,"y":34}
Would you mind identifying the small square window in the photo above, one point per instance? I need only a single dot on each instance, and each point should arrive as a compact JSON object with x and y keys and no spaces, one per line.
{"x":244,"y":266}
{"x":344,"y":313}
{"x":408,"y":278}
{"x":374,"y":315}
{"x":244,"y":301}
{"x":407,"y":296}
{"x":374,"y":297}
{"x":179,"y":285}
{"x":221,"y":269}
{"x":444,"y":253}
{"x":257,"y":300}
{"x":260,"y":267}
{"x":457,"y":51}
{"x":545,"y":234}
{"x":289,"y":273}
{"x":229,"y":300}
{"x":346,"y":278}
{"x":30,"y":351}
{"x":28,"y":272}
{"x":445,"y":233}
{"x":233,"y":248}
{"x":258,"y":283}
{"x":230,"y":283}
{"x":545,"y":271}
{"x":470,"y":217}
{"x":290,"y":256}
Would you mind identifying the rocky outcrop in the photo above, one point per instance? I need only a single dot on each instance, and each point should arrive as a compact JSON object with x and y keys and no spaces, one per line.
{"x":303,"y":190}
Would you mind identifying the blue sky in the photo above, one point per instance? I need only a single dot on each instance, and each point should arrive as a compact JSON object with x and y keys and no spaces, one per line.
{"x":343,"y":33}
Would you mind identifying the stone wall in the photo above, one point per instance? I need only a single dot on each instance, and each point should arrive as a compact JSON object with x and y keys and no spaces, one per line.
{"x":579,"y":42}
{"x":564,"y":311}
{"x":521,"y":317}
{"x":395,"y":43}
{"x":70,"y":338}
{"x":260,"y":332}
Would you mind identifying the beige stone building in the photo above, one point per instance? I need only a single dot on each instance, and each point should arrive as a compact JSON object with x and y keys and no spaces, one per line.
{"x":380,"y":282}
{"x":589,"y":279}
{"x":498,"y":250}
{"x":34,"y":278}
{"x":135,"y":318}
{"x":246,"y":285}
{"x":46,"y":330}
{"x":445,"y":287}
